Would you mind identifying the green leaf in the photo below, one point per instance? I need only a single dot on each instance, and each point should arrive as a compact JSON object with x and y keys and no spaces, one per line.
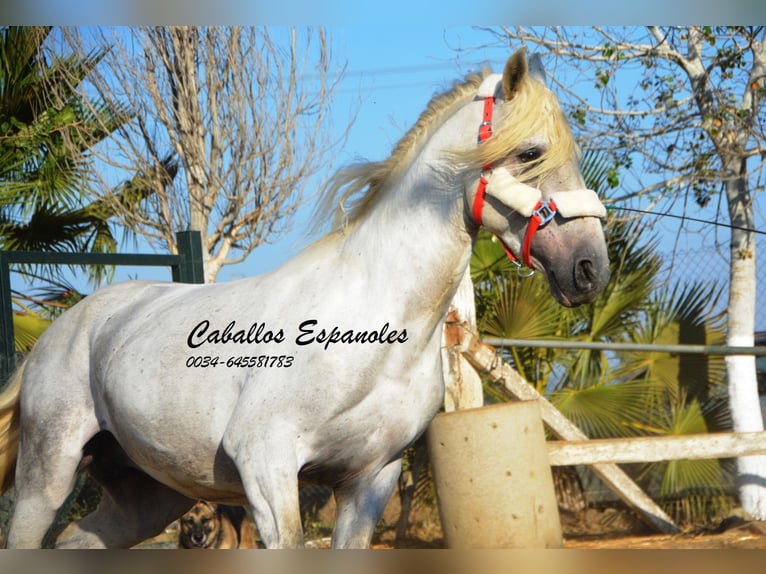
{"x":604,"y":409}
{"x":27,"y":328}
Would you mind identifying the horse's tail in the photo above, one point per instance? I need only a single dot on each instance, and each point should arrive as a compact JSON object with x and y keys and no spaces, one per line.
{"x":9,"y":429}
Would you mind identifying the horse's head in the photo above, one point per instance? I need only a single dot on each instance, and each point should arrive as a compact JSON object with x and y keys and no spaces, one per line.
{"x":531,"y":193}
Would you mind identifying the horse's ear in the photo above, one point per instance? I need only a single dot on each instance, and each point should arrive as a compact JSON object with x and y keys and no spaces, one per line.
{"x":536,"y":69}
{"x":514,"y":73}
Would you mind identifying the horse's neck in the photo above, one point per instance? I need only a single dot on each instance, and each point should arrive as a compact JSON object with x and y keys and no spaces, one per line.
{"x":416,"y":243}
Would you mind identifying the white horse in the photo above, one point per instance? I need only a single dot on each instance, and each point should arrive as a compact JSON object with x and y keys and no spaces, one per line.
{"x":323,"y":370}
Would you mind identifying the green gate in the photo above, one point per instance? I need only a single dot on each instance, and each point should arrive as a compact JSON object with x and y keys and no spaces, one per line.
{"x":187,"y":267}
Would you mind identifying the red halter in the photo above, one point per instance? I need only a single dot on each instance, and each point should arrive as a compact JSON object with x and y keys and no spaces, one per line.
{"x":543,"y":212}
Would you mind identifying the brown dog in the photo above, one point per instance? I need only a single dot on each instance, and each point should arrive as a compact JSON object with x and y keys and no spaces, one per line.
{"x":214,"y":526}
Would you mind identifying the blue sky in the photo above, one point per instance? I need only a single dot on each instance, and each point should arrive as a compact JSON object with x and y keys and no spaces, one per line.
{"x":392,"y":74}
{"x":393,"y":71}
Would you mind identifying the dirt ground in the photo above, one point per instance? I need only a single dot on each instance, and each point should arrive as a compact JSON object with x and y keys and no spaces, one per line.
{"x":738,"y":534}
{"x":734,"y":534}
{"x":604,"y":528}
{"x":749,"y":537}
{"x":593,"y":529}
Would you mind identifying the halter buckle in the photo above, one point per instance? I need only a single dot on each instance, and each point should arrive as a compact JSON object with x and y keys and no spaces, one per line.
{"x":545,"y":211}
{"x":485,"y":130}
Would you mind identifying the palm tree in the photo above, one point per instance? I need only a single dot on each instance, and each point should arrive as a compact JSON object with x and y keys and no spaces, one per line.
{"x":47,"y":127}
{"x":629,"y":394}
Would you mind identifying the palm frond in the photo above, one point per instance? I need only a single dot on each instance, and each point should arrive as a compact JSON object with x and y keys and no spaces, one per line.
{"x":488,"y":259}
{"x":682,"y":315}
{"x":596,"y":170}
{"x":47,"y":127}
{"x":604,"y":409}
{"x":524,"y":310}
{"x":692,"y":490}
{"x":27,"y":328}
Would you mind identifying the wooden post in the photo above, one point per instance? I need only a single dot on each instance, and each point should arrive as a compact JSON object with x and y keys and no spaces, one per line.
{"x":462,"y":384}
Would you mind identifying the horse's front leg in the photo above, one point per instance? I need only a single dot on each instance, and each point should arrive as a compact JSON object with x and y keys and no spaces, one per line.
{"x":270,"y":479}
{"x":360,"y":505}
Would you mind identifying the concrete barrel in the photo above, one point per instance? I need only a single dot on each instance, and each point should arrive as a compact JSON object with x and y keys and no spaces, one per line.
{"x":493,"y":481}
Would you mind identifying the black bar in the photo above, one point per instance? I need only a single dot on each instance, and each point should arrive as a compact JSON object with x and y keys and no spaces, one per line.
{"x":191,"y":268}
{"x":136,"y":259}
{"x":7,"y":341}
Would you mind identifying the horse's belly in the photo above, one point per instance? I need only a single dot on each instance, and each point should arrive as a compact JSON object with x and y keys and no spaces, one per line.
{"x":193,"y":464}
{"x":201,"y":471}
{"x":173,"y":431}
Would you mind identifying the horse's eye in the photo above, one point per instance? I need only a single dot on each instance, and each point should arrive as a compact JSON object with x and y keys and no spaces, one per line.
{"x":530,"y":154}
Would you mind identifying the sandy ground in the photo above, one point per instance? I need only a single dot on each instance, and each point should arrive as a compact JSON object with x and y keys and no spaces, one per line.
{"x":604,"y":529}
{"x":751,"y":535}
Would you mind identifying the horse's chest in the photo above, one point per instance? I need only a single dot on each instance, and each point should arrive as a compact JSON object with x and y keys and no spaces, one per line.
{"x":374,"y":431}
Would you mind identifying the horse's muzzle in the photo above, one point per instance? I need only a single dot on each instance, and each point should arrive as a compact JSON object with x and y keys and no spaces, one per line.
{"x":588,"y":278}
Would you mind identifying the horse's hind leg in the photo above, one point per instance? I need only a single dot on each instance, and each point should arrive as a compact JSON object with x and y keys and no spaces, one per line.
{"x":133,"y":506}
{"x":45,"y":476}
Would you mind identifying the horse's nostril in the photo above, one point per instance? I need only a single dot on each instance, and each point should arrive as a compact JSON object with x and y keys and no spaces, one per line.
{"x":585,"y":274}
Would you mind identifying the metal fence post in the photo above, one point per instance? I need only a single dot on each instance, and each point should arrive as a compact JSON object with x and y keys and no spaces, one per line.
{"x":191,"y":269}
{"x":7,"y":342}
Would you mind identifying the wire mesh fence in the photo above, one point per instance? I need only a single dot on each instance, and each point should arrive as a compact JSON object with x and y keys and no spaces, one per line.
{"x":710,"y":263}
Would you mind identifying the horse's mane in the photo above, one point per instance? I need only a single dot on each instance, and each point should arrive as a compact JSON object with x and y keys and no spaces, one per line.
{"x":534,"y":110}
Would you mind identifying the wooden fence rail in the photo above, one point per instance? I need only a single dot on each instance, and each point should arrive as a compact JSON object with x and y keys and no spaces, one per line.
{"x":653,"y":449}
